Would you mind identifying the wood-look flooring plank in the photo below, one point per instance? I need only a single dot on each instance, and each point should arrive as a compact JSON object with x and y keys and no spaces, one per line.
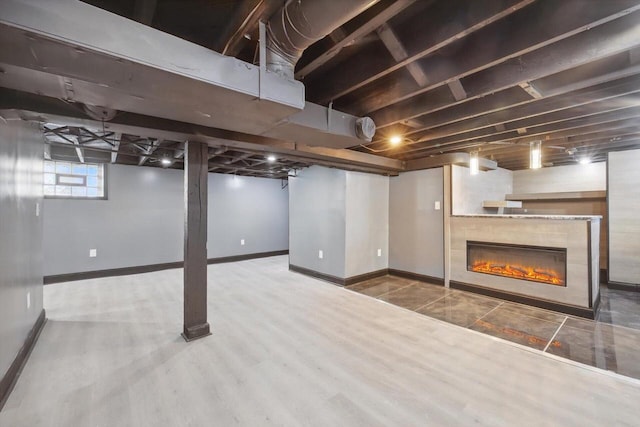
{"x":288,"y":350}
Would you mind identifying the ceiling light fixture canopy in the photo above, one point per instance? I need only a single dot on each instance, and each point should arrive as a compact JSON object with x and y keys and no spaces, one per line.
{"x":535,"y":154}
{"x":474,"y":163}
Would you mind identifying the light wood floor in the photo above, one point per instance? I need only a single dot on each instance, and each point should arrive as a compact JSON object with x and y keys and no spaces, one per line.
{"x":288,"y":350}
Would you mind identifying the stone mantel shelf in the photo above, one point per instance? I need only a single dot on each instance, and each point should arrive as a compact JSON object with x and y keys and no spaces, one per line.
{"x":565,"y":217}
{"x":558,"y":196}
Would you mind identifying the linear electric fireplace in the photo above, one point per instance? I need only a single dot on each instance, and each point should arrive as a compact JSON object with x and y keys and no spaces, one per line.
{"x":532,"y":263}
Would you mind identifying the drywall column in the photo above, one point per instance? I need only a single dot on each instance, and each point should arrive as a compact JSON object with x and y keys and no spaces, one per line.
{"x":195,"y":241}
{"x":623,"y":196}
{"x":416,"y":236}
{"x":21,"y":312}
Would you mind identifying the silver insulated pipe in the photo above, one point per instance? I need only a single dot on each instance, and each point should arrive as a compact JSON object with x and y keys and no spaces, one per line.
{"x":300,"y":23}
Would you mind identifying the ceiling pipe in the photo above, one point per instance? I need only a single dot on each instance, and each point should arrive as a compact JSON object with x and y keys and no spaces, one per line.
{"x":300,"y":23}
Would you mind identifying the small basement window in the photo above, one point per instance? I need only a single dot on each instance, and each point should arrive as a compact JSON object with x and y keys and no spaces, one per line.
{"x":74,"y":180}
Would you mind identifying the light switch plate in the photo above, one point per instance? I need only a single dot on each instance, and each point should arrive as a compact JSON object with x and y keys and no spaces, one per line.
{"x":379,"y":252}
{"x":242,"y":242}
{"x":93,"y":253}
{"x":437,"y":205}
{"x":320,"y":254}
{"x":28,"y":300}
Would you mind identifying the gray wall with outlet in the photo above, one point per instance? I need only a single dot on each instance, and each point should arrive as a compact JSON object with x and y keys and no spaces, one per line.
{"x":338,"y":221}
{"x":142,"y":222}
{"x":367,"y":225}
{"x":20,"y":236}
{"x":416,"y":222}
{"x":317,"y":220}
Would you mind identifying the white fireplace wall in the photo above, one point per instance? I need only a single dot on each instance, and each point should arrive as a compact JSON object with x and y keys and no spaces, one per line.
{"x":469,"y":191}
{"x":568,"y":233}
{"x":591,"y":177}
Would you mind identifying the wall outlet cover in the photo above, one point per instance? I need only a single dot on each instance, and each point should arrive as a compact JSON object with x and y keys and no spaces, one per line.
{"x":242,"y":242}
{"x":320,"y":254}
{"x":379,"y":252}
{"x":93,"y":253}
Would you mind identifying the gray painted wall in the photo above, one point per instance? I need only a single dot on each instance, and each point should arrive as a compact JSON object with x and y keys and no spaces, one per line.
{"x":317,"y":215}
{"x":142,"y":221}
{"x":591,"y":177}
{"x":469,"y":191}
{"x":416,"y":228}
{"x":20,"y":235}
{"x":344,"y":214}
{"x":255,"y":210}
{"x":367,"y":224}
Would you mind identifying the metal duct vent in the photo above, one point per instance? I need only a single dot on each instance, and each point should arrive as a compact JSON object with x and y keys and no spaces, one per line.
{"x":365,"y":128}
{"x":300,"y":23}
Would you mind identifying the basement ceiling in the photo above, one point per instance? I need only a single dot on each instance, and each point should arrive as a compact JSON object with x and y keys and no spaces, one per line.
{"x":447,"y":76}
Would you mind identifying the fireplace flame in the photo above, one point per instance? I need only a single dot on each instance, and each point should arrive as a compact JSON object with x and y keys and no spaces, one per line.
{"x":517,"y":272}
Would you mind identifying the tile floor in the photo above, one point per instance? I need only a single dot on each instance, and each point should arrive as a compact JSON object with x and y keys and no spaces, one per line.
{"x":610,"y":342}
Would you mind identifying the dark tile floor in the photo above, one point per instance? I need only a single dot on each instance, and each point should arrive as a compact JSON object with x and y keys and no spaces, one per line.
{"x":610,"y":342}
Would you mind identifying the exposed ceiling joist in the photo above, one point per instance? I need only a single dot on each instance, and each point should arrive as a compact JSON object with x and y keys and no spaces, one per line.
{"x":395,"y":48}
{"x":446,"y":124}
{"x":151,"y":148}
{"x":144,"y":10}
{"x":612,"y":120}
{"x":592,"y":113}
{"x":342,"y":39}
{"x":245,"y":18}
{"x":457,"y":90}
{"x":116,"y":147}
{"x":364,"y":70}
{"x":597,"y":43}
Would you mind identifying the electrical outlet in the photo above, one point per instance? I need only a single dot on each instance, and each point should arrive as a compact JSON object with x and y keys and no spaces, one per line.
{"x":242,"y":242}
{"x":93,"y":253}
{"x":320,"y":254}
{"x":28,"y":300}
{"x":379,"y":252}
{"x":436,"y":205}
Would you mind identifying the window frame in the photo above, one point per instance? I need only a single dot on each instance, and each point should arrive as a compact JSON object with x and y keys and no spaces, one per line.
{"x":105,"y":175}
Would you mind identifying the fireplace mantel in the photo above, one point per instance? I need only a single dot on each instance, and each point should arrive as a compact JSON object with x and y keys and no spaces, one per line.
{"x":577,"y":234}
{"x":523,"y":216}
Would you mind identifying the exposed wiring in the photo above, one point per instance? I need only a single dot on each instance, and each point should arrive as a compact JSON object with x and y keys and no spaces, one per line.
{"x":376,"y":151}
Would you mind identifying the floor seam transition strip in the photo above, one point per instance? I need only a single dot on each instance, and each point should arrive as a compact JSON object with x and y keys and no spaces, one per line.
{"x":555,"y":334}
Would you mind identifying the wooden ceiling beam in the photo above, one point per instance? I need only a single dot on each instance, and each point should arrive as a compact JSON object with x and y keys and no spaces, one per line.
{"x":365,"y":68}
{"x":506,"y":65}
{"x":610,"y":109}
{"x":572,"y":128}
{"x":343,"y":39}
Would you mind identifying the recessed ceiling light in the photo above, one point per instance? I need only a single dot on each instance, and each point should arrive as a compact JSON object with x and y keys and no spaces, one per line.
{"x":165,"y":161}
{"x":271,"y":158}
{"x":395,"y":139}
{"x":585,"y":161}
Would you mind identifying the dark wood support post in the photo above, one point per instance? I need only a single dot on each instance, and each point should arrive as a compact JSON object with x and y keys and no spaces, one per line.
{"x":195,"y":241}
